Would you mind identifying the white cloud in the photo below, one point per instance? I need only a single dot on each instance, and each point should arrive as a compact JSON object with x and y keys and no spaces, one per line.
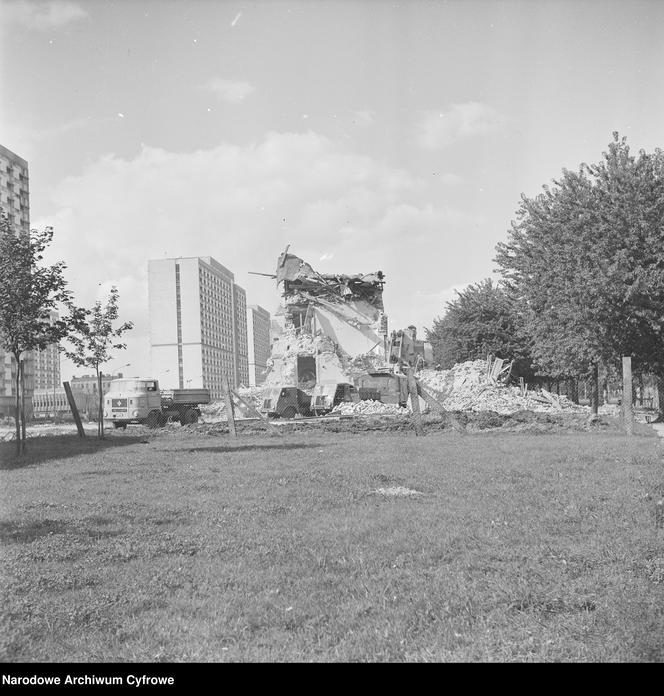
{"x":242,"y":205}
{"x":230,"y":91}
{"x":438,"y":129}
{"x":43,"y":16}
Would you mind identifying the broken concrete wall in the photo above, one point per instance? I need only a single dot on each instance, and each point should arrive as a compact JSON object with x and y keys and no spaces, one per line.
{"x":335,"y":318}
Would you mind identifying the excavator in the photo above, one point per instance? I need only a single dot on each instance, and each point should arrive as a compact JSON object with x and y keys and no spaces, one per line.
{"x":404,"y":355}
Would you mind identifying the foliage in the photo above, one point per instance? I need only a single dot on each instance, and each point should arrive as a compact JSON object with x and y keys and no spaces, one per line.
{"x":585,"y":261}
{"x":95,"y":338}
{"x":28,"y":294}
{"x":482,"y":319}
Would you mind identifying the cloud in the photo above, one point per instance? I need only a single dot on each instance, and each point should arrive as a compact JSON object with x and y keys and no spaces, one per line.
{"x":242,"y":205}
{"x":43,"y":16}
{"x":229,"y":91}
{"x":437,"y":130}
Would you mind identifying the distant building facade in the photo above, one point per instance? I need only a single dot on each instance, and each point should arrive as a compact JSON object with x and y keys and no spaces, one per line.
{"x":198,"y":324}
{"x":258,"y":332}
{"x":88,"y":383}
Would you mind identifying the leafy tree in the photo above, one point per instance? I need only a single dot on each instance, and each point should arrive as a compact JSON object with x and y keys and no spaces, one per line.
{"x":585,"y":260}
{"x":93,"y":340}
{"x":28,"y":294}
{"x":482,"y":319}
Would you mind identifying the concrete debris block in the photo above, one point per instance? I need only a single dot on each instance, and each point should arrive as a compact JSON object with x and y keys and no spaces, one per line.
{"x":466,"y":387}
{"x":369,"y":408}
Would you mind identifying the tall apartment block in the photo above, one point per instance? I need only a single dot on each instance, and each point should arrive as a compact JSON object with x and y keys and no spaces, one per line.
{"x":198,"y":324}
{"x":258,"y":330}
{"x":46,"y":365}
{"x":15,"y":202}
{"x":15,"y":189}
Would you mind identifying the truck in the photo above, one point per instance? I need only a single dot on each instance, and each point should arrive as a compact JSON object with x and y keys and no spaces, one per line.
{"x":286,"y":402}
{"x":140,"y":400}
{"x":326,"y":396}
{"x":387,"y":387}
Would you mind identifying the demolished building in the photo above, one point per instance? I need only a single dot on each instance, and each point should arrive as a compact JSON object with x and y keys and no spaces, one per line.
{"x":332,"y":326}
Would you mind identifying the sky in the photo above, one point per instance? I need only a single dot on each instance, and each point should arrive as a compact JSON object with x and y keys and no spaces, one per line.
{"x":369,"y":135}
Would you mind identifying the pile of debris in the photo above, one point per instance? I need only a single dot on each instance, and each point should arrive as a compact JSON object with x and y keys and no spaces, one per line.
{"x":369,"y":408}
{"x":215,"y":411}
{"x":472,"y":386}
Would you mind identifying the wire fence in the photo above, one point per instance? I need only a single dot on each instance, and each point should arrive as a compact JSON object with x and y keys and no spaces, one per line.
{"x":647,"y":391}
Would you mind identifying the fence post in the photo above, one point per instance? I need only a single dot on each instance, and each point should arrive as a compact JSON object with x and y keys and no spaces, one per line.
{"x":229,"y":405}
{"x":74,"y":409}
{"x":414,"y":401}
{"x":594,"y":394}
{"x":627,"y":408}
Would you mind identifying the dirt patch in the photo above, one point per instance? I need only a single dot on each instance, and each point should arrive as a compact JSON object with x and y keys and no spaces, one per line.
{"x":397,"y":492}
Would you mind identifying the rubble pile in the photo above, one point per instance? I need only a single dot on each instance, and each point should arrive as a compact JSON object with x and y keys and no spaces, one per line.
{"x":369,"y":408}
{"x":253,"y":395}
{"x":215,"y":411}
{"x":467,"y":387}
{"x":362,"y":364}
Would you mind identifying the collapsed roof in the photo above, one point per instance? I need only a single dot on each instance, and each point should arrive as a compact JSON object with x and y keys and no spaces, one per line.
{"x":299,"y":281}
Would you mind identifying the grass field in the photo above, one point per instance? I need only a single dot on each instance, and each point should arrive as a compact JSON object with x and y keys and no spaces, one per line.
{"x":336,"y":547}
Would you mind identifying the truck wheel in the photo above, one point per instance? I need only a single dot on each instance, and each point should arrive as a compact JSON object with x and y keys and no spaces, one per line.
{"x":289,"y":412}
{"x":163,"y":419}
{"x":153,"y":419}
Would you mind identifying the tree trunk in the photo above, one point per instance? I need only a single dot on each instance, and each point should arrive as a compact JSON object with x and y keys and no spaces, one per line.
{"x":574,"y":390}
{"x":100,"y":423}
{"x":23,"y":405}
{"x":660,"y":397}
{"x":594,"y":389}
{"x":17,"y":417}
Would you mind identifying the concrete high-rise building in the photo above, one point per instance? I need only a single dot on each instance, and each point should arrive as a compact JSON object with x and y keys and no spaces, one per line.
{"x":258,"y":331}
{"x":46,"y":365}
{"x":198,"y":324}
{"x":15,"y":203}
{"x":15,"y":189}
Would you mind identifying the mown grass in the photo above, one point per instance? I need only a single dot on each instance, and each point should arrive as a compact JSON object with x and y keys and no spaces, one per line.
{"x":191,"y":548}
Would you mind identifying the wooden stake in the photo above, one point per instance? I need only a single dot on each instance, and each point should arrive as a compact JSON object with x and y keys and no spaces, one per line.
{"x":627,"y":407}
{"x":253,"y":409}
{"x":229,"y":406}
{"x":414,"y":402}
{"x":74,"y":409}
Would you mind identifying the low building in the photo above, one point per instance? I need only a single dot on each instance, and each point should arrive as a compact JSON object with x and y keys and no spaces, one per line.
{"x":88,"y":383}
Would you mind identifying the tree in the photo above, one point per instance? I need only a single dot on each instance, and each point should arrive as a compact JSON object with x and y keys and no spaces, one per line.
{"x":630,"y":192}
{"x":482,"y":319}
{"x":93,"y":339}
{"x":585,"y":260}
{"x":28,"y":294}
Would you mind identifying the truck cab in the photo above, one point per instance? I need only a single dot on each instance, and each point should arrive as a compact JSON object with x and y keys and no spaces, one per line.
{"x":326,"y":396}
{"x":131,"y":400}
